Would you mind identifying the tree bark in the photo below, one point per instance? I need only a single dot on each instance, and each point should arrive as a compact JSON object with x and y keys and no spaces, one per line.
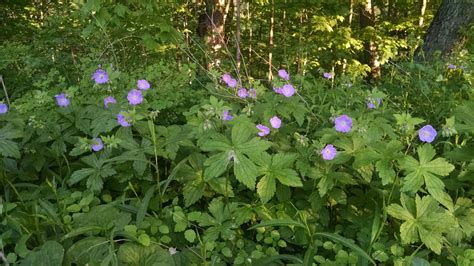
{"x":237,"y":35}
{"x":444,"y":32}
{"x":270,"y":42}
{"x":367,"y":19}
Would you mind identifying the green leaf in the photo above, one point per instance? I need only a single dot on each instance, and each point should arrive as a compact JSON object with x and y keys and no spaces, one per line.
{"x":266,"y":188}
{"x":50,"y":253}
{"x":90,"y":250}
{"x":399,"y":212}
{"x":144,"y":205}
{"x":217,"y":143}
{"x":348,"y":243}
{"x":288,"y":177}
{"x":245,"y":170}
{"x":241,"y":133}
{"x":9,"y":148}
{"x":136,"y":255}
{"x":278,"y":222}
{"x":79,"y":175}
{"x":190,"y":235}
{"x":216,"y":165}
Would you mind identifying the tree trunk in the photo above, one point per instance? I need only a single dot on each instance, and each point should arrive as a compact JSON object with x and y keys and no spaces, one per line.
{"x":237,"y":36}
{"x":444,"y":32}
{"x":215,"y":14}
{"x":367,"y":19}
{"x":270,"y":43}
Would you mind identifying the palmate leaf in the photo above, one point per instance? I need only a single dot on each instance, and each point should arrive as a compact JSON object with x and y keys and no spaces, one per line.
{"x":245,"y":170}
{"x":266,"y":188}
{"x":427,"y":171}
{"x":428,"y":223}
{"x":9,"y":148}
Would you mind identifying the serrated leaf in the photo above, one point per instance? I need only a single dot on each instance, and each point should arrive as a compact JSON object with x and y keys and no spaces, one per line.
{"x":241,"y":132}
{"x":215,"y":165}
{"x":190,"y":235}
{"x":217,"y":143}
{"x":266,"y":188}
{"x":9,"y":148}
{"x":399,"y":212}
{"x":288,"y":177}
{"x":79,"y":175}
{"x":245,"y":170}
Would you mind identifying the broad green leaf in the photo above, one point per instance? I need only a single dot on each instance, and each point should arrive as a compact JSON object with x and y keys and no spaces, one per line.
{"x":9,"y":148}
{"x":433,"y":240}
{"x":409,"y":232}
{"x":190,"y":235}
{"x":241,"y":133}
{"x":254,"y":147}
{"x":216,"y":165}
{"x":90,"y":250}
{"x":50,"y":253}
{"x":266,"y":188}
{"x":217,"y":143}
{"x":80,"y":174}
{"x":193,"y":191}
{"x":288,"y":177}
{"x":245,"y":170}
{"x":136,"y":255}
{"x":399,"y":212}
{"x":283,"y":160}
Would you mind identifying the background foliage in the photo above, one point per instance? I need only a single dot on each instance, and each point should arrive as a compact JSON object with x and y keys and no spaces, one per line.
{"x":185,"y":186}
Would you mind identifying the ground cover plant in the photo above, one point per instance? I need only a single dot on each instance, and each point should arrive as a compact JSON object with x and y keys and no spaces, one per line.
{"x":171,"y":154}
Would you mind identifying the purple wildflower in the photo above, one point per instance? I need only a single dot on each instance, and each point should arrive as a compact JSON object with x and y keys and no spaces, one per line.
{"x":343,"y":123}
{"x":97,"y":144}
{"x":62,"y":100}
{"x":275,"y":122}
{"x":142,"y":84}
{"x":3,"y":108}
{"x":226,"y":116}
{"x":108,"y":101}
{"x":287,"y":90}
{"x":327,"y":75}
{"x":374,"y":104}
{"x":451,"y":66}
{"x":252,"y":93}
{"x":232,"y":83}
{"x":100,"y":76}
{"x":283,"y":74}
{"x":243,"y":93}
{"x":135,"y":97}
{"x":226,"y":78}
{"x":125,"y":122}
{"x":277,"y":90}
{"x":263,"y":130}
{"x":427,"y":134}
{"x":329,"y":152}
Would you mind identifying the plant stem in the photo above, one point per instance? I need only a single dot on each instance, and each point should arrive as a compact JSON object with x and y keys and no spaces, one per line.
{"x":5,"y":90}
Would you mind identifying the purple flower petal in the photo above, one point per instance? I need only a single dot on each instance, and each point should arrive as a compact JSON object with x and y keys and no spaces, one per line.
{"x":232,"y":83}
{"x":283,"y":74}
{"x":109,"y":100}
{"x":226,"y":116}
{"x":97,"y":145}
{"x":242,"y":92}
{"x":62,"y":100}
{"x":3,"y":108}
{"x":142,"y":84}
{"x":252,"y":93}
{"x":329,"y":152}
{"x":288,"y":90}
{"x":427,"y":134}
{"x":327,"y":75}
{"x":100,"y":76}
{"x":343,"y":123}
{"x":263,"y":130}
{"x":226,"y":78}
{"x":122,"y":120}
{"x":275,"y":122}
{"x":135,"y":97}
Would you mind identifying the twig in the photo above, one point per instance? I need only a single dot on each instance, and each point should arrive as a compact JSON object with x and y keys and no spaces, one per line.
{"x":5,"y":90}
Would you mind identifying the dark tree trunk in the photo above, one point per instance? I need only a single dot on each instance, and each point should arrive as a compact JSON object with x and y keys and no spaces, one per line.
{"x":367,"y":19}
{"x":444,"y":32}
